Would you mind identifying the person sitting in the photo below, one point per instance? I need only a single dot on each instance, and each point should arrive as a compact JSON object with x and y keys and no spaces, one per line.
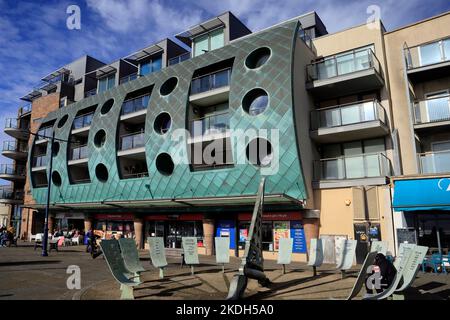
{"x":385,"y":270}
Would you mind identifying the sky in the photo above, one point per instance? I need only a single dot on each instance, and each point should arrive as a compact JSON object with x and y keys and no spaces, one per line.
{"x":35,"y":40}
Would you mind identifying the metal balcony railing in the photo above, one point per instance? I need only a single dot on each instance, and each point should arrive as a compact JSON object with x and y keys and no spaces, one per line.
{"x":7,"y":193}
{"x":432,"y":110}
{"x":40,"y":161}
{"x":82,"y":121}
{"x":10,"y":169}
{"x":81,"y":152}
{"x":365,"y":165}
{"x":127,"y":78}
{"x":132,"y":141}
{"x":347,"y":114}
{"x":180,"y":58}
{"x":14,"y":146}
{"x":342,"y":64}
{"x":136,"y":104}
{"x":25,"y":109}
{"x":427,"y":54}
{"x":210,"y":124}
{"x":434,"y":162}
{"x":211,"y":81}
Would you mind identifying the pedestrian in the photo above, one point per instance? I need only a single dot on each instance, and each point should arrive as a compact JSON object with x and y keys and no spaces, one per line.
{"x":384,"y":269}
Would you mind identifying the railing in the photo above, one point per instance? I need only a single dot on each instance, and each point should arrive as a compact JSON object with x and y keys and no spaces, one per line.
{"x":215,"y":123}
{"x":352,"y":167}
{"x":427,"y":54}
{"x":40,"y":161}
{"x":127,"y":78}
{"x":14,"y":146}
{"x":44,"y":133}
{"x":211,"y":81}
{"x":432,"y":110}
{"x":135,"y":175}
{"x":91,"y":92}
{"x":82,"y":121}
{"x":434,"y":162}
{"x":24,"y":109}
{"x":180,"y":58}
{"x":84,"y":180}
{"x":11,"y":169}
{"x":81,"y":152}
{"x":132,"y":141}
{"x":347,"y":114}
{"x":136,"y":104}
{"x":344,"y":63}
{"x":9,"y":194}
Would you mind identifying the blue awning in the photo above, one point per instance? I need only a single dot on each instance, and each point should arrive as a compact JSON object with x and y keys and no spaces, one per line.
{"x":422,"y":194}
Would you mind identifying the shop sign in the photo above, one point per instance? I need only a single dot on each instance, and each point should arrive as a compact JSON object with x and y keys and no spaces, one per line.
{"x":124,"y":217}
{"x":190,"y":250}
{"x":227,"y":228}
{"x":222,"y":249}
{"x":298,"y":236}
{"x":280,"y":230}
{"x":272,"y":216}
{"x":69,"y":215}
{"x":157,"y":251}
{"x":177,"y":217}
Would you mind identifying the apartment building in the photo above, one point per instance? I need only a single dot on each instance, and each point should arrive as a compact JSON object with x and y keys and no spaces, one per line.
{"x":328,"y":116}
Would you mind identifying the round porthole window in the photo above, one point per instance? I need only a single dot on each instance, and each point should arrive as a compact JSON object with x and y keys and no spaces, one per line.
{"x":55,"y":148}
{"x":164,"y":164}
{"x":107,"y":106}
{"x":56,"y":178}
{"x":259,"y":152}
{"x":101,"y":172}
{"x":162,"y":123}
{"x":168,"y":86}
{"x":257,"y":58}
{"x":255,"y":101}
{"x":62,"y":121}
{"x":100,"y":138}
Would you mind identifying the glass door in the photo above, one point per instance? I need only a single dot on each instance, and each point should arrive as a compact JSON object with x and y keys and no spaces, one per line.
{"x":438,"y":106}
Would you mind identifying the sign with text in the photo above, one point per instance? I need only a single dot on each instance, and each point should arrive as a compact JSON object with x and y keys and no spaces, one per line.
{"x":403,"y":251}
{"x":298,"y":236}
{"x":157,"y":251}
{"x":315,"y":253}
{"x":346,"y":254}
{"x":379,"y":246}
{"x":285,"y":251}
{"x":227,"y":228}
{"x":280,"y":230}
{"x":222,"y":249}
{"x":417,"y":254}
{"x":190,"y":250}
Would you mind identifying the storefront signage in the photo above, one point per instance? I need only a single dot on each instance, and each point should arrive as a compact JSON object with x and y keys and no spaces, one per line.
{"x":298,"y":236}
{"x":227,"y":228}
{"x":285,"y":251}
{"x":379,"y":246}
{"x":69,"y":215}
{"x":177,"y":217}
{"x":125,"y":217}
{"x":315,"y":253}
{"x":157,"y":251}
{"x":273,"y":216}
{"x":280,"y":230}
{"x":346,"y":254}
{"x":190,"y":250}
{"x":222,"y":249}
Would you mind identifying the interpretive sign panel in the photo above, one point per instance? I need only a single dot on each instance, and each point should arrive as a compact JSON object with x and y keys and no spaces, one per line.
{"x":346,"y":254}
{"x":190,"y":250}
{"x":222,"y":249}
{"x":379,"y":246}
{"x":315,"y":253}
{"x":417,"y":254}
{"x":157,"y":251}
{"x":285,"y":251}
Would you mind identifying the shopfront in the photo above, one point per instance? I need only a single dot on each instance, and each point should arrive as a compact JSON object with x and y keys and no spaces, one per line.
{"x":108,"y":225}
{"x":67,"y":221}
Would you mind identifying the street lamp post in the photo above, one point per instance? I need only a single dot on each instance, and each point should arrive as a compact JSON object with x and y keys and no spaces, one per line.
{"x":47,"y":206}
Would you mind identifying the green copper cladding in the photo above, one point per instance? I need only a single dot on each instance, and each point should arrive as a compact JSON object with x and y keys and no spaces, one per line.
{"x":275,"y":77}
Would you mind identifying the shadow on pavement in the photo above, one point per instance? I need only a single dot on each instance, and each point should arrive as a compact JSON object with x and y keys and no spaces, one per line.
{"x":24,"y":263}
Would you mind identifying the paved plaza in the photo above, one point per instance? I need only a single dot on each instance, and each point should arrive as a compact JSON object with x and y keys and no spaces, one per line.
{"x":24,"y":274}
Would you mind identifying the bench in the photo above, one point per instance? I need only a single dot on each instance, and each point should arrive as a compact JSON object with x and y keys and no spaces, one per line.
{"x":114,"y":260}
{"x":130,"y":256}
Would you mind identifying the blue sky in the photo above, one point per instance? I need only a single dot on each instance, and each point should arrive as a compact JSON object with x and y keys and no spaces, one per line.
{"x":34,"y":39}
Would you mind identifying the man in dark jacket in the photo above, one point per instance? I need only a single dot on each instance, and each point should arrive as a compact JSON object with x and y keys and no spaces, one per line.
{"x":383,"y":269}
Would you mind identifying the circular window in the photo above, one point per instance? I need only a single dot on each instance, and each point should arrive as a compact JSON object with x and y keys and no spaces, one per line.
{"x":100,"y":138}
{"x":168,"y":86}
{"x":162,"y":123}
{"x":63,"y":121}
{"x":257,"y":58}
{"x":101,"y":172}
{"x":259,"y":152}
{"x":55,"y":148}
{"x":164,"y":164}
{"x":107,"y":106}
{"x":56,"y":178}
{"x":255,"y":102}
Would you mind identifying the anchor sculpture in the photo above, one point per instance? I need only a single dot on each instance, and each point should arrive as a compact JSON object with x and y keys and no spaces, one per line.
{"x":252,"y":265}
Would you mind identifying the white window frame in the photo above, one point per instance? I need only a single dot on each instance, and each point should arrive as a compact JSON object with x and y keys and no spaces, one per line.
{"x":431,"y":94}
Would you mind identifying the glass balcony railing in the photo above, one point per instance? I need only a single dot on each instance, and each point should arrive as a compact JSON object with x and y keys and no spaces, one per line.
{"x":427,"y":54}
{"x":135,"y":105}
{"x":44,"y":133}
{"x":91,"y":92}
{"x":13,"y":170}
{"x":82,"y":121}
{"x":434,"y":162}
{"x":24,"y":109}
{"x":342,"y":64}
{"x":352,"y":167}
{"x":132,"y":141}
{"x":211,"y":81}
{"x":79,"y":153}
{"x":305,"y":36}
{"x":210,"y":124}
{"x":40,"y":161}
{"x":180,"y":58}
{"x":432,"y":110}
{"x":8,"y":193}
{"x":130,"y":77}
{"x":14,"y":146}
{"x":347,"y":114}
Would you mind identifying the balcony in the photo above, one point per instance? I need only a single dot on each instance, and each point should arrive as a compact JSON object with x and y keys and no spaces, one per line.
{"x":90,"y":93}
{"x":434,"y":162}
{"x":349,"y":170}
{"x":210,"y":127}
{"x":25,"y":110}
{"x":43,"y":135}
{"x":428,"y":61}
{"x":133,"y":143}
{"x":8,"y":196}
{"x":78,"y":155}
{"x":128,"y":78}
{"x":12,"y":172}
{"x":345,"y":73}
{"x":15,"y":150}
{"x":39,"y":163}
{"x":366,"y":119}
{"x":17,"y":129}
{"x":82,"y":124}
{"x":134,"y":110}
{"x":211,"y":89}
{"x":432,"y":113}
{"x":180,"y":58}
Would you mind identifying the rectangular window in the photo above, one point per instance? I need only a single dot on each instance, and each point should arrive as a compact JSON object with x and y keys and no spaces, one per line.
{"x":217,"y":39}
{"x":106,"y":83}
{"x":201,"y":45}
{"x":151,"y":65}
{"x":211,"y":41}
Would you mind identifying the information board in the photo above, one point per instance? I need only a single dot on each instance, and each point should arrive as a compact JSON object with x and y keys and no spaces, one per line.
{"x":285,"y":251}
{"x":157,"y":251}
{"x":379,"y":246}
{"x":190,"y":250}
{"x":298,"y":237}
{"x":315,"y":253}
{"x":222,"y":249}
{"x":227,"y":228}
{"x":346,"y":254}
